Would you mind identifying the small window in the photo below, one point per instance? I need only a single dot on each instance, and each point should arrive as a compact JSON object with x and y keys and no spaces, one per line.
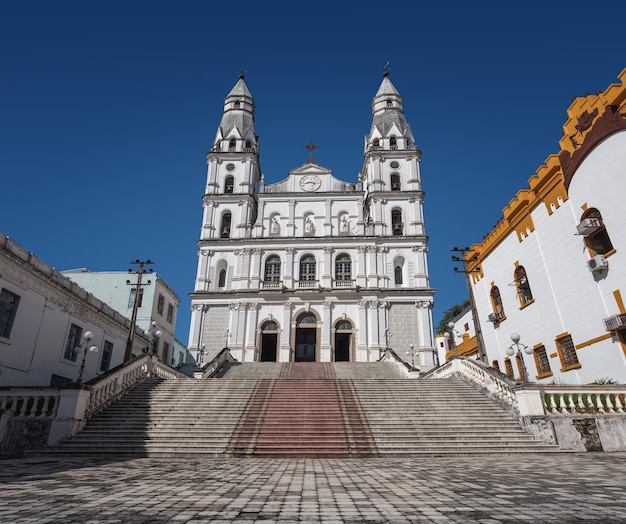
{"x":542,"y":361}
{"x":495,"y":365}
{"x":225,"y":229}
{"x":496,"y":302}
{"x":8,"y":309}
{"x":248,"y":144}
{"x":160,"y":304}
{"x":389,"y":103}
{"x":397,"y":273}
{"x":393,"y":142}
{"x":229,"y":184}
{"x":170,"y":313}
{"x":221,"y":281}
{"x":232,"y":143}
{"x":131,"y":298}
{"x":105,"y":360}
{"x":376,"y":142}
{"x":396,"y":222}
{"x":395,"y":182}
{"x":523,"y":287}
{"x":272,"y":269}
{"x":343,"y":267}
{"x":73,"y":342}
{"x":237,"y":104}
{"x":567,"y":352}
{"x":598,"y":241}
{"x":166,"y":350}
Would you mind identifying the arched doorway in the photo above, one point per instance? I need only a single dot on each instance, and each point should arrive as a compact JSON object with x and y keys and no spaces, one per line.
{"x":269,"y":341}
{"x":343,"y":338}
{"x":306,"y":337}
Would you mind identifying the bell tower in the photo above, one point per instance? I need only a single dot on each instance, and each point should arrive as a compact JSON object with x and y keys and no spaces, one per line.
{"x":233,"y":170}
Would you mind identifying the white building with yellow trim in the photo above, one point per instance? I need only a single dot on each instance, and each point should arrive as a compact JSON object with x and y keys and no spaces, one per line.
{"x":553,"y":269}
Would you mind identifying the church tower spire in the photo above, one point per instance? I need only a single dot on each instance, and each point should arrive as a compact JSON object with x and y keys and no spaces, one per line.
{"x":233,"y":175}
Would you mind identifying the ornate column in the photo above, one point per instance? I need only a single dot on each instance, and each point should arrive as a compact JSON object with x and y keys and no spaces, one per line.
{"x":252,"y":321}
{"x":362,"y":334}
{"x":328,"y":224}
{"x":255,"y":277}
{"x":326,"y":343}
{"x":259,"y":228}
{"x":208,"y":220}
{"x":425,"y":341}
{"x":361,"y":277}
{"x":288,"y":269}
{"x":291,"y":224}
{"x":245,"y":269}
{"x":372,"y":271}
{"x":285,"y":337}
{"x":421,"y":272}
{"x":327,"y":276}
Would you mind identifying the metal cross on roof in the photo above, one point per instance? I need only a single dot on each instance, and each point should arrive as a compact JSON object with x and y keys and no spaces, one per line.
{"x":310,"y":146}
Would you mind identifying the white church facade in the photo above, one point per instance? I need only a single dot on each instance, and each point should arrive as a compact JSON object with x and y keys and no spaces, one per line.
{"x":313,"y":268}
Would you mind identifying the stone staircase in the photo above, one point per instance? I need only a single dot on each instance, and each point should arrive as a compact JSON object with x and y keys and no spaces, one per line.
{"x":301,"y":410}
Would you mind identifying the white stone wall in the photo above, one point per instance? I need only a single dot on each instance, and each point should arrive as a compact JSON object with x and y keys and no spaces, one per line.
{"x":568,"y":298}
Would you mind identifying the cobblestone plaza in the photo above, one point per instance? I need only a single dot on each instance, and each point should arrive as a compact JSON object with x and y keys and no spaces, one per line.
{"x":559,"y":488}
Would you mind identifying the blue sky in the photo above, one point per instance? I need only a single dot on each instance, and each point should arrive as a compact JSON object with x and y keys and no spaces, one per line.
{"x":108,"y":109}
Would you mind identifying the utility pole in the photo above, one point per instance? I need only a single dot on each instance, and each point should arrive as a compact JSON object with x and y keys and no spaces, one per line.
{"x":482,"y":354}
{"x":138,"y":291}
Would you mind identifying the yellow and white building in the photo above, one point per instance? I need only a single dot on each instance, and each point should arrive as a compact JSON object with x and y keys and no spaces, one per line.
{"x":553,"y":270}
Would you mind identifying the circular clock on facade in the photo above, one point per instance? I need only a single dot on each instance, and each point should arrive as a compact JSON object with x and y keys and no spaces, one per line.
{"x":310,"y":183}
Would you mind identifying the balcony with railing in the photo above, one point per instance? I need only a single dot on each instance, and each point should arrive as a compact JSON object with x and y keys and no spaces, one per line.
{"x":344,"y":284}
{"x":272,"y":284}
{"x":307,"y":284}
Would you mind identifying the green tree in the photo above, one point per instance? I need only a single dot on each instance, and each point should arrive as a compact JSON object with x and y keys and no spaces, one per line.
{"x":451,"y":314}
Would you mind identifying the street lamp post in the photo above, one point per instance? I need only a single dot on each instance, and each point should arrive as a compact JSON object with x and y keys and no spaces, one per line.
{"x":516,"y":349}
{"x":411,"y":352}
{"x":85,"y":347}
{"x":153,"y":334}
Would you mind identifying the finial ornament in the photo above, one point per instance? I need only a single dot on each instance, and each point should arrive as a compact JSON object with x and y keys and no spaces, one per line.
{"x":242,"y":75}
{"x":310,"y":146}
{"x":386,"y":69}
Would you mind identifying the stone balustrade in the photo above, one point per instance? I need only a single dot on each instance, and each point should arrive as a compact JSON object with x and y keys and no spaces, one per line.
{"x":577,"y":400}
{"x":29,"y":402}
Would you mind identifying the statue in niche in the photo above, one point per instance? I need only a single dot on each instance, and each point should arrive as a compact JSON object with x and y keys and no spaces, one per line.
{"x":309,"y":227}
{"x":344,"y":225}
{"x":275,"y":226}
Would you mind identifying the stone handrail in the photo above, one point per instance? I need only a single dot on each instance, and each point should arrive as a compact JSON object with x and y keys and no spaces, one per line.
{"x":217,"y":363}
{"x":116,"y":383}
{"x":482,"y":376}
{"x":29,"y":402}
{"x":576,"y":400}
{"x":389,"y":355}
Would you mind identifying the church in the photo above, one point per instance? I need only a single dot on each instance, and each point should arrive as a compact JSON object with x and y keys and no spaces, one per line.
{"x":313,"y":268}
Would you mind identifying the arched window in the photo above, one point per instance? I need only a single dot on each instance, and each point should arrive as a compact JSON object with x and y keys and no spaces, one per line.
{"x":307,"y":268}
{"x":306,"y":318}
{"x":272,"y":269}
{"x":393,"y":143}
{"x":221,"y":281}
{"x":496,"y":302}
{"x":389,"y":103}
{"x":595,"y":233}
{"x":225,"y":229}
{"x":397,"y":274}
{"x":229,"y":184}
{"x":270,"y":325}
{"x":248,"y":144}
{"x":343,"y":268}
{"x":395,"y":182}
{"x":396,"y":222}
{"x":523,"y":287}
{"x":237,"y":104}
{"x":376,"y":142}
{"x":232,"y":143}
{"x":344,"y":325}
